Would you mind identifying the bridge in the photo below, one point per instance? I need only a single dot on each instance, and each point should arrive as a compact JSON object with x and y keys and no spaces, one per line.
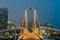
{"x":34,"y":33}
{"x":25,"y":33}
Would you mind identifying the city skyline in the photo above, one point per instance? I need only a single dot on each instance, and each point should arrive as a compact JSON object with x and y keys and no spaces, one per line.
{"x":47,"y":10}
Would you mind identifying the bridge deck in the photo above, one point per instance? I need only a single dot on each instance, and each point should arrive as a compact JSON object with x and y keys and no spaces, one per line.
{"x":31,"y":36}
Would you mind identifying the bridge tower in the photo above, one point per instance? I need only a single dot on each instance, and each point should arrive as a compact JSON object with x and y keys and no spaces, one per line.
{"x":26,"y":17}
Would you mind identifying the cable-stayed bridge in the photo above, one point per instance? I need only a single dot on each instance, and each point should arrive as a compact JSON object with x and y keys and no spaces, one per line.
{"x":27,"y":33}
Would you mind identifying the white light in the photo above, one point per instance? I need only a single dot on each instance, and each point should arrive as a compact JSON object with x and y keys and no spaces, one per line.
{"x":43,"y":31}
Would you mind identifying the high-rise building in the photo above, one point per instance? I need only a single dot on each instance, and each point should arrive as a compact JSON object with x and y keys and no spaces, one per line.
{"x":3,"y":18}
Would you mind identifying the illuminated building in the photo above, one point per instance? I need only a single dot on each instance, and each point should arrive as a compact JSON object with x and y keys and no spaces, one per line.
{"x":3,"y":18}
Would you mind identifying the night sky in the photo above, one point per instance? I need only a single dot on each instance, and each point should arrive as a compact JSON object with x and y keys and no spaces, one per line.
{"x":47,"y":10}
